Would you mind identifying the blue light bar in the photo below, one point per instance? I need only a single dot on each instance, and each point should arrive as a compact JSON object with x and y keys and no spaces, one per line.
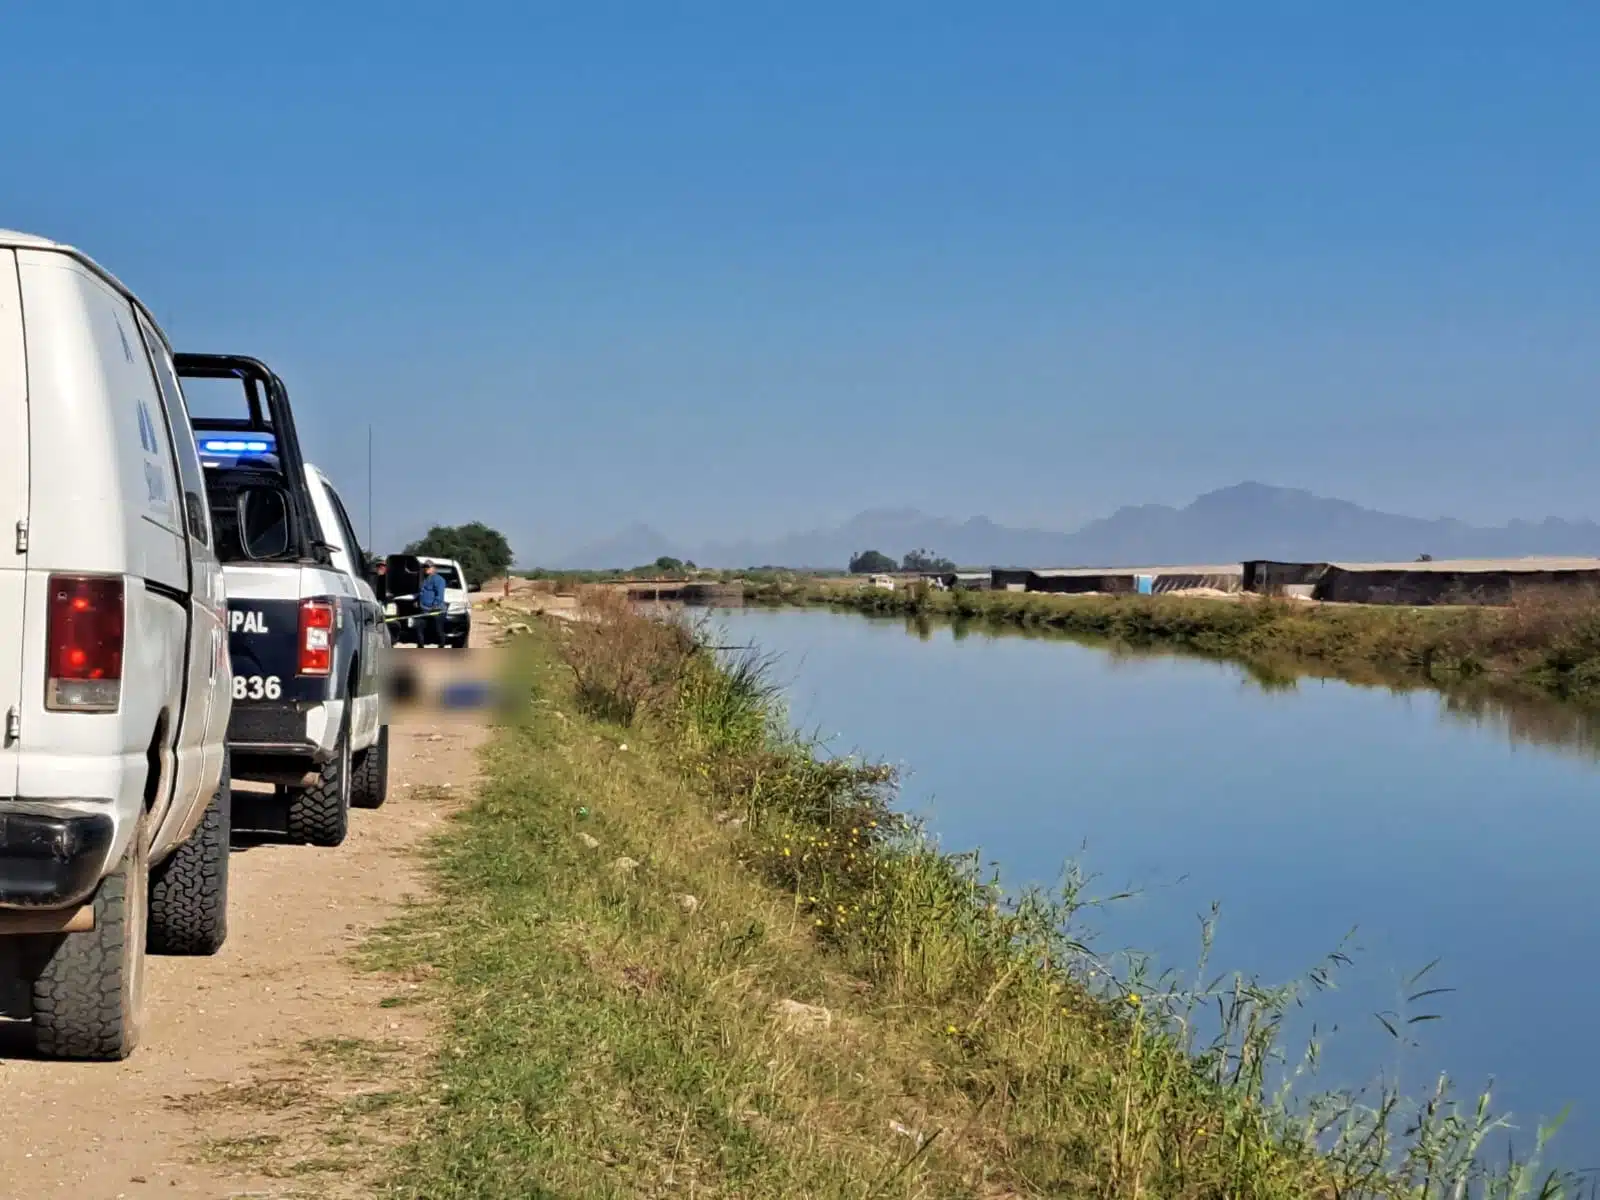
{"x":228,"y":449}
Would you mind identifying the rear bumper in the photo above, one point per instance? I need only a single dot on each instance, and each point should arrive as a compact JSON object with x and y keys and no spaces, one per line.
{"x":290,"y":729}
{"x":455,"y":626}
{"x":53,"y":860}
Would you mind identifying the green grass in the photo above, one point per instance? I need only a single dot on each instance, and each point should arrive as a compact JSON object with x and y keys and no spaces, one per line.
{"x":606,"y":1037}
{"x":1546,"y":643}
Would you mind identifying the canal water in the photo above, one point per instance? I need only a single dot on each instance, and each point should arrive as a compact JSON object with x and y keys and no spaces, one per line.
{"x":1435,"y":829}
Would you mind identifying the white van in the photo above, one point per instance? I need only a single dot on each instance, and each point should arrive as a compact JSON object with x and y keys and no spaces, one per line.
{"x":115,"y":683}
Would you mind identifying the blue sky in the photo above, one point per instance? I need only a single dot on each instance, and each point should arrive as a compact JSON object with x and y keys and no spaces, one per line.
{"x":736,"y":269}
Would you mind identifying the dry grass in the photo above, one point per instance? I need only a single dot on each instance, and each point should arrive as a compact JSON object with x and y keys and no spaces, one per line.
{"x":328,"y":1113}
{"x":621,"y":664}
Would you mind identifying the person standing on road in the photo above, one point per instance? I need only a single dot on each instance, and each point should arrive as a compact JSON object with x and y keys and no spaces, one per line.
{"x":430,"y":602}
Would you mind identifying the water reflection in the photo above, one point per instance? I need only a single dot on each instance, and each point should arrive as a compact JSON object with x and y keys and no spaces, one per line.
{"x":1530,"y":721}
{"x":1519,"y":717}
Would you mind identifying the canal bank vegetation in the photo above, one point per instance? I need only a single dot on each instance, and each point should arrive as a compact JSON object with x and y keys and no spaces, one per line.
{"x":1547,"y":641}
{"x":769,"y":580}
{"x":682,"y":952}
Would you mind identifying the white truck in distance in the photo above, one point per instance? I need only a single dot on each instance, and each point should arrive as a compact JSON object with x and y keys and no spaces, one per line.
{"x":406,"y":624}
{"x":114,"y":676}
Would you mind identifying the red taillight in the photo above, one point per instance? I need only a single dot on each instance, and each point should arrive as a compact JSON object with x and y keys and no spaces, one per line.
{"x":84,"y":638}
{"x":316,"y":637}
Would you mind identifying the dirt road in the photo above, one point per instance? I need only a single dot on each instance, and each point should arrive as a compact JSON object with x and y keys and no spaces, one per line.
{"x":257,"y":1066}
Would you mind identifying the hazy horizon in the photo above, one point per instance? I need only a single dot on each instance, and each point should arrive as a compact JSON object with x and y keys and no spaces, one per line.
{"x":738,"y":273}
{"x":1247,"y":520}
{"x":935,"y":514}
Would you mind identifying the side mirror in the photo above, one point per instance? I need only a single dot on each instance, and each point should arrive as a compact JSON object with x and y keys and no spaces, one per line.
{"x":263,"y":522}
{"x":474,"y":587}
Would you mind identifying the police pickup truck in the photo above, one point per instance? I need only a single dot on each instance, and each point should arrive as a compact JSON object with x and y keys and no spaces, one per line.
{"x":305,"y":632}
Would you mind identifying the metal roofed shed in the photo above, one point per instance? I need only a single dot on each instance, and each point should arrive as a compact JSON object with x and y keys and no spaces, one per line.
{"x":1009,"y":579}
{"x":1443,"y":581}
{"x":1225,"y":578}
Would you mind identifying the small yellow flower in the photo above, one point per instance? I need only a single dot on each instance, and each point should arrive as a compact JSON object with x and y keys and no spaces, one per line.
{"x":812,"y":899}
{"x":819,"y":920}
{"x":786,"y":852}
{"x":1133,"y":999}
{"x":951,"y":1029}
{"x":855,"y":833}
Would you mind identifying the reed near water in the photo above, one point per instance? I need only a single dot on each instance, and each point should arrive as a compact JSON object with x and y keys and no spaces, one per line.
{"x":1546,"y":641}
{"x":687,"y":952}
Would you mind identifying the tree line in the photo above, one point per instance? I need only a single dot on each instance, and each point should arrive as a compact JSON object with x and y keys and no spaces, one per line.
{"x":874,"y":562}
{"x":482,"y":552}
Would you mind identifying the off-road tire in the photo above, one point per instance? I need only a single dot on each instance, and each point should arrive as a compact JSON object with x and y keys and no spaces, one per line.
{"x":189,"y":891}
{"x":370,"y":786}
{"x":320,"y":815}
{"x":89,"y":995}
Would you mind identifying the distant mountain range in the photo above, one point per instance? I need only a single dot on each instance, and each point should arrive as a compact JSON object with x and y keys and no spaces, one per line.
{"x":1248,"y":520}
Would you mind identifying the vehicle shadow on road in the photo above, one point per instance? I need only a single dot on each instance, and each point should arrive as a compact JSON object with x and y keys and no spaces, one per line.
{"x":259,"y":819}
{"x":16,"y":1041}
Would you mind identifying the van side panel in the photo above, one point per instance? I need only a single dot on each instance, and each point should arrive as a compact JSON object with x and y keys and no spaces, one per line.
{"x":13,"y":508}
{"x":201,"y":741}
{"x":101,"y":502}
{"x":115,"y":496}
